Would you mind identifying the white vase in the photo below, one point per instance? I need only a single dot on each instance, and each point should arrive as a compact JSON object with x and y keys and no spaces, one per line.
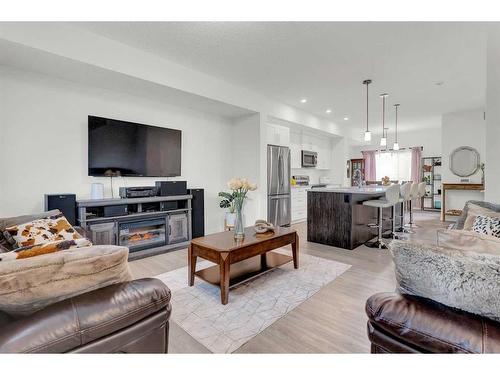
{"x":96,"y":191}
{"x":230,"y":219}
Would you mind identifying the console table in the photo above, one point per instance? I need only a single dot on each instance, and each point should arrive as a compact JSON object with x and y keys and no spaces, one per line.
{"x":455,"y":186}
{"x":147,"y":226}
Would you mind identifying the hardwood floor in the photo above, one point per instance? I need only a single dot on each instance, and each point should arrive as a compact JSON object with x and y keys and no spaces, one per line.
{"x":331,"y":321}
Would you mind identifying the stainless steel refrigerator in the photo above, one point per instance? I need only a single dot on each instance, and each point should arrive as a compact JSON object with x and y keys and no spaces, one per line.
{"x":278,"y":185}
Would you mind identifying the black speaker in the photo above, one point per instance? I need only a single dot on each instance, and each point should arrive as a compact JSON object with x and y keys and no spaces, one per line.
{"x":170,"y":188}
{"x":66,"y":203}
{"x":197,"y":212}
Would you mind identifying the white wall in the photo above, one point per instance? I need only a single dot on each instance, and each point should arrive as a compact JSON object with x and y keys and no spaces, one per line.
{"x":74,"y":44}
{"x":44,"y":141}
{"x":465,"y":128}
{"x":245,"y":161}
{"x":492,"y":168}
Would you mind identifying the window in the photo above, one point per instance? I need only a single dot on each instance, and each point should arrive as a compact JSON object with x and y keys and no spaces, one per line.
{"x":394,"y":164}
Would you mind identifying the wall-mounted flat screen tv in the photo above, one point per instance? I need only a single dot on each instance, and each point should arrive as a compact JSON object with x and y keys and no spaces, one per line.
{"x":121,"y":148}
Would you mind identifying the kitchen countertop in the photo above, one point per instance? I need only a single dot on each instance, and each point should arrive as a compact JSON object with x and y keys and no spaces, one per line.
{"x":352,"y":190}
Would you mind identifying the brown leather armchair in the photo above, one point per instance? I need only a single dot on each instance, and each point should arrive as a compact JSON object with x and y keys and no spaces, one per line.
{"x":408,"y":324}
{"x":130,"y":317}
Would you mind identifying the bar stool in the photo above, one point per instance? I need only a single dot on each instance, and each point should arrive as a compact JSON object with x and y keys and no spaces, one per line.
{"x":404,"y":197}
{"x":390,"y":200}
{"x":413,"y":195}
{"x":420,"y":194}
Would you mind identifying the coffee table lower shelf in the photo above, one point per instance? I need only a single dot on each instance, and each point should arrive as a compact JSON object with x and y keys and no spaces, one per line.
{"x":246,"y":269}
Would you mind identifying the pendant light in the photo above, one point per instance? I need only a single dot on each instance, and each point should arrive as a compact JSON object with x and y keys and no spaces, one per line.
{"x":396,"y":144}
{"x":383,"y":140}
{"x":368,"y":134}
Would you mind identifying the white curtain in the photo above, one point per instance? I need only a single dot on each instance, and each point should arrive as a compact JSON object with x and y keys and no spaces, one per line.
{"x":394,"y":164}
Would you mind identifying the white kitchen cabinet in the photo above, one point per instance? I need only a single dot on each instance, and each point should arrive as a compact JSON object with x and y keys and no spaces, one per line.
{"x":299,"y":203}
{"x":324,"y":157}
{"x":309,"y":142}
{"x":295,"y":156}
{"x":278,"y":135}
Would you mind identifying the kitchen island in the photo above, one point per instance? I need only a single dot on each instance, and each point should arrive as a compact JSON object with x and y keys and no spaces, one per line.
{"x":337,"y":216}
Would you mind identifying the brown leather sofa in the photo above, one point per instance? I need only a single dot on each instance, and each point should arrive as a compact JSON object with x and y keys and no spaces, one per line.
{"x":407,"y":324}
{"x":130,"y":317}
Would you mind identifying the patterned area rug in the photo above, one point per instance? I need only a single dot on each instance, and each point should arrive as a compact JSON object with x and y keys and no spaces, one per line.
{"x":253,"y":306}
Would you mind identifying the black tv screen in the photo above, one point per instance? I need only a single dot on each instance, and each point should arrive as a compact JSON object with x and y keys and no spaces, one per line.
{"x":121,"y":148}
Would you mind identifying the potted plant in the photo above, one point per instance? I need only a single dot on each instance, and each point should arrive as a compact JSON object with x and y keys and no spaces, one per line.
{"x":234,"y":201}
{"x":227,"y":201}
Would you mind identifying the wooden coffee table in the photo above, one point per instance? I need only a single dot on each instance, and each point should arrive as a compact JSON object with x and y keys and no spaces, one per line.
{"x":239,"y":261}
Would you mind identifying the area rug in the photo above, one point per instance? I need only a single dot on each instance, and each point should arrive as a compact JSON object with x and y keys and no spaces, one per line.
{"x":253,"y":306}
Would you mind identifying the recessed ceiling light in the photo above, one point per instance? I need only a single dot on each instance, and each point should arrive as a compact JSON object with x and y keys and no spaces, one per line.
{"x":346,"y":118}
{"x":328,"y":111}
{"x":303,"y":100}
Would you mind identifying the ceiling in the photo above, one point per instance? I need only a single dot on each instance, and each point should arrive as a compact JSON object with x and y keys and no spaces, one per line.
{"x":19,"y":56}
{"x":326,"y":63}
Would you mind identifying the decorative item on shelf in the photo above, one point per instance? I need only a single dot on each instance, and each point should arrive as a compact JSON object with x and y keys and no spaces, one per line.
{"x":427,"y":168}
{"x":454,"y":212}
{"x":235,"y":200}
{"x":368,"y":134}
{"x":386,"y":181}
{"x":96,"y":190}
{"x":437,"y":162}
{"x":396,"y":144}
{"x":427,"y":180}
{"x":262,"y":226}
{"x":383,"y":140}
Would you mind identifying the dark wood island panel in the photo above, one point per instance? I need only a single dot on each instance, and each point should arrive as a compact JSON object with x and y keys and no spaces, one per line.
{"x":340,"y":219}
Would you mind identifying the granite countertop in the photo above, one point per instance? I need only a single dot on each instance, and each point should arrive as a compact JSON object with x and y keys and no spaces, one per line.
{"x":352,"y":190}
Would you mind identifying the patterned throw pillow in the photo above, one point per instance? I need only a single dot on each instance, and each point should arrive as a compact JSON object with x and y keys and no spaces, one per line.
{"x":38,"y":232}
{"x":487,"y":225}
{"x":46,"y":248}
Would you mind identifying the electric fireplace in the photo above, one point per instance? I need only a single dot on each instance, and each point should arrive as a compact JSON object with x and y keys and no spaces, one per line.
{"x":142,"y":234}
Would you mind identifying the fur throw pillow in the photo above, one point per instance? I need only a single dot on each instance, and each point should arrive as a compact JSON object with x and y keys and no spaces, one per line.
{"x":463,"y":279}
{"x":30,"y":284}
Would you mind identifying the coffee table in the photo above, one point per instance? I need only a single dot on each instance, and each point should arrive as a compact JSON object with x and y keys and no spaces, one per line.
{"x":239,"y":261}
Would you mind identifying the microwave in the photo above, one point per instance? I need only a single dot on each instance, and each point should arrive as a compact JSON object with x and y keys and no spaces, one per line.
{"x":309,"y":159}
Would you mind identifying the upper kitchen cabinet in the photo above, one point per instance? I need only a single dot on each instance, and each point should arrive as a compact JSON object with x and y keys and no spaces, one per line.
{"x":300,"y":140}
{"x":324,"y":154}
{"x":295,"y":150}
{"x":278,"y":135}
{"x":309,"y":142}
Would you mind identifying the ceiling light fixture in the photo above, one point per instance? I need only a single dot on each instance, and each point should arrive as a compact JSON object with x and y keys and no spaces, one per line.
{"x":346,"y":118}
{"x":383,"y":140}
{"x":303,"y":100}
{"x":396,"y":144}
{"x":328,"y":111}
{"x":368,"y":135}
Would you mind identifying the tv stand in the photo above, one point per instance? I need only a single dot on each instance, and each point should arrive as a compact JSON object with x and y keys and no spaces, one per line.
{"x":152,"y":225}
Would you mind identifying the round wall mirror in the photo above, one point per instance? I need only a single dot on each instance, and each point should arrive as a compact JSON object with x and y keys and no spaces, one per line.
{"x":464,"y":161}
